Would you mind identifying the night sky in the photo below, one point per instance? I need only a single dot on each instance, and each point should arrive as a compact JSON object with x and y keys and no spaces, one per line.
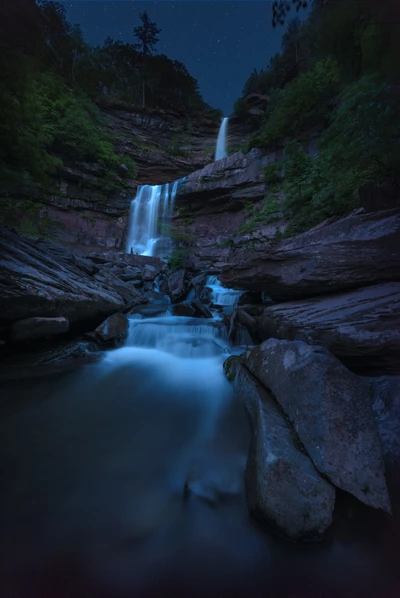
{"x":220,"y":42}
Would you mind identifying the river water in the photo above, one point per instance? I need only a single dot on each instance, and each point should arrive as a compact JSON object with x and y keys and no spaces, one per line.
{"x":125,"y":479}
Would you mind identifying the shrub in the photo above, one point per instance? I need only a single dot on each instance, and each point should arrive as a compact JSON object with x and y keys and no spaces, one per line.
{"x":303,"y":102}
{"x":269,"y":212}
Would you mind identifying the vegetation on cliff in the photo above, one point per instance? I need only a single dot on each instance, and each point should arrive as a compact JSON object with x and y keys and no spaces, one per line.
{"x":50,"y":81}
{"x":337,"y":70}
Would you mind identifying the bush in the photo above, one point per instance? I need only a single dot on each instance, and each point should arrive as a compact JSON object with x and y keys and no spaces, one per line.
{"x":269,"y":212}
{"x":303,"y":102}
{"x":359,"y":146}
{"x":178,"y":259}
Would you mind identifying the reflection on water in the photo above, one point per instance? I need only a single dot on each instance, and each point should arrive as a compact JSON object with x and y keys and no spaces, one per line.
{"x":126,"y":479}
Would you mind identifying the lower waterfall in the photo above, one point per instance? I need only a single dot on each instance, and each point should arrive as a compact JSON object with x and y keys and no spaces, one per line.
{"x":150,"y":216}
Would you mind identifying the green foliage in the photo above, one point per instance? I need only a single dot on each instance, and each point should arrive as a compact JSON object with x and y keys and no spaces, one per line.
{"x":269,"y":212}
{"x":271,"y":174}
{"x":303,"y":102}
{"x":175,"y":148}
{"x":360,"y":145}
{"x":178,"y":259}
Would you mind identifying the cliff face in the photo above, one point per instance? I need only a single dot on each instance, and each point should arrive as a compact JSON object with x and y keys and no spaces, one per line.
{"x":85,"y":209}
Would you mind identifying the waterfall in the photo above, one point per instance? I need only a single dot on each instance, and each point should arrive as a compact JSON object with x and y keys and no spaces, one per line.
{"x":151,"y":211}
{"x":220,"y":151}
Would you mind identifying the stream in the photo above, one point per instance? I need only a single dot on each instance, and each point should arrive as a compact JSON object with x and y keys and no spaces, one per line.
{"x":125,"y":478}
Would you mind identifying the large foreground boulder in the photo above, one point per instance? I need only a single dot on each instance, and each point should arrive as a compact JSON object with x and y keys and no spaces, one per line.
{"x":330,"y":409}
{"x":283,"y":487}
{"x":45,"y":280}
{"x":361,"y":327}
{"x":356,"y":251}
{"x":385,"y":391}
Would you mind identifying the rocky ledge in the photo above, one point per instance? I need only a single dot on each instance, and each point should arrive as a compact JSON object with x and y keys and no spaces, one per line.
{"x":359,"y":250}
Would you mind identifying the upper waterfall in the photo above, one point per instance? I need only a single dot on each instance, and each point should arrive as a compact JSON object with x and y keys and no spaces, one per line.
{"x":151,"y":210}
{"x":220,"y":151}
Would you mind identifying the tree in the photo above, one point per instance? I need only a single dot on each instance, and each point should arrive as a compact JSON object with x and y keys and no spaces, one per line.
{"x":281,"y":8}
{"x":291,"y":39}
{"x":146,"y":34}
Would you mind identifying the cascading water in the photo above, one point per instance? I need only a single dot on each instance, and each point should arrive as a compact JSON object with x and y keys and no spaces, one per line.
{"x":220,"y":151}
{"x":220,"y":295}
{"x":151,"y":211}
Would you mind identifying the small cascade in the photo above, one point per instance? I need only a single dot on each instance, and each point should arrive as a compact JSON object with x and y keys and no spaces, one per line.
{"x":220,"y":295}
{"x":180,"y":336}
{"x":151,"y":212}
{"x":220,"y":151}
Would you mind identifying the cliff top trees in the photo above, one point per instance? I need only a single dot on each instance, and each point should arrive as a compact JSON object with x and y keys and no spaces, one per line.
{"x":146,"y":34}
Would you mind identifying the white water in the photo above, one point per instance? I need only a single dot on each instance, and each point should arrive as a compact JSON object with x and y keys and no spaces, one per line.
{"x":220,"y":295}
{"x":151,"y":212}
{"x":220,"y":151}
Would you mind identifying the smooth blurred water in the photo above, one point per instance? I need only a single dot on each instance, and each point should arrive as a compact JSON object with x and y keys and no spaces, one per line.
{"x":95,"y":466}
{"x":150,"y":215}
{"x":220,"y":151}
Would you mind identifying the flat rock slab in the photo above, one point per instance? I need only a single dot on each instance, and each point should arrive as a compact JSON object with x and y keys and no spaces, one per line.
{"x":39,"y":280}
{"x":358,"y":324}
{"x":35,"y":328}
{"x":356,"y":251}
{"x":330,"y":409}
{"x":283,"y":486}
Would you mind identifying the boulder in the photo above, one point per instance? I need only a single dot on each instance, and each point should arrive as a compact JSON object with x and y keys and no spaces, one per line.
{"x":330,"y":409}
{"x":183,"y":309}
{"x":150,"y":311}
{"x":130,"y":295}
{"x":35,"y":328}
{"x":114,"y":330}
{"x":176,"y":285}
{"x":283,"y":487}
{"x":361,"y":327}
{"x":40,"y":281}
{"x":201,"y":309}
{"x":156,"y":297}
{"x":149,"y":273}
{"x":356,"y":251}
{"x":385,"y":392}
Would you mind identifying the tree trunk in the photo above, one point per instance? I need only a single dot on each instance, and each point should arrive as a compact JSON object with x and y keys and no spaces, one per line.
{"x":144,"y":94}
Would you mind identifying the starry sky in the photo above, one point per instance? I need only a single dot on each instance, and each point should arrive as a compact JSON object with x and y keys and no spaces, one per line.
{"x":220,"y":42}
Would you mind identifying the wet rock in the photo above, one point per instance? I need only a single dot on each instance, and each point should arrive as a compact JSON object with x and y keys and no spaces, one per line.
{"x":385,"y":392}
{"x":38,"y":281}
{"x":205,"y":296}
{"x":156,"y":297}
{"x":249,"y":299}
{"x":52,"y":358}
{"x":198,"y":280}
{"x":114,"y":330}
{"x":176,"y":285}
{"x":283,"y":487}
{"x":150,"y":311}
{"x":201,"y":309}
{"x":356,"y":251}
{"x":361,"y":327}
{"x":150,"y":273}
{"x":130,"y":295}
{"x":183,"y":309}
{"x":35,"y":328}
{"x":130,"y":273}
{"x":330,"y":409}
